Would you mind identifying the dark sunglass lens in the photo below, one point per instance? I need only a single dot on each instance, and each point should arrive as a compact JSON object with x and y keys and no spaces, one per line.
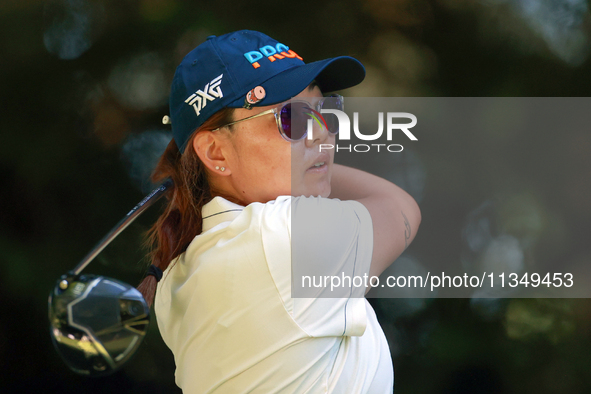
{"x":286,"y":119}
{"x":294,"y":118}
{"x":331,"y":119}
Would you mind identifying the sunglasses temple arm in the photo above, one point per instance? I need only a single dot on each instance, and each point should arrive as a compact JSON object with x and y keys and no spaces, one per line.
{"x":147,"y":202}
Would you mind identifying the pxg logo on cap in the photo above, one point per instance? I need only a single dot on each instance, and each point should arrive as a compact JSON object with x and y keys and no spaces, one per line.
{"x":210,"y":92}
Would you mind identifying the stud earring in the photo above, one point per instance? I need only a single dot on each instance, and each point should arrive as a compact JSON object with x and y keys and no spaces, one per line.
{"x":217,"y":167}
{"x":223,"y":169}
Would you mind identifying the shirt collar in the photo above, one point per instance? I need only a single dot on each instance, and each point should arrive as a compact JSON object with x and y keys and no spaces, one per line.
{"x":219,"y":210}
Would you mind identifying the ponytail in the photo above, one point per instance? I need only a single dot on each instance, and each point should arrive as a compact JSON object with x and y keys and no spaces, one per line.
{"x":181,"y":219}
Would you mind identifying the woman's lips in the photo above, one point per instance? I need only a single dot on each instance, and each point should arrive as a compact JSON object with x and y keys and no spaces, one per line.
{"x":319,"y":169}
{"x":323,"y":160}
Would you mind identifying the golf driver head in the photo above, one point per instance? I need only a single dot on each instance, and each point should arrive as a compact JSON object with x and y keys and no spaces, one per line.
{"x":96,"y":323}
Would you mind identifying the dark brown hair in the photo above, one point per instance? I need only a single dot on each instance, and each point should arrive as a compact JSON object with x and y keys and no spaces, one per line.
{"x":181,"y":219}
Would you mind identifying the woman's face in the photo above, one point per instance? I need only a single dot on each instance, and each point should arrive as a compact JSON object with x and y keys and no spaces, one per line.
{"x":261,"y":165}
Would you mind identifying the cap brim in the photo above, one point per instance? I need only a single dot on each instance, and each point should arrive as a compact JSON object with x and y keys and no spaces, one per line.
{"x":330,"y":74}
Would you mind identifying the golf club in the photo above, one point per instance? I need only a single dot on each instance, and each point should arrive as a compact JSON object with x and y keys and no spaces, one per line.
{"x":97,"y":323}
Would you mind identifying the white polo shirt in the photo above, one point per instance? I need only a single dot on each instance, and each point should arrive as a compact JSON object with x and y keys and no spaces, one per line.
{"x":225,"y":308}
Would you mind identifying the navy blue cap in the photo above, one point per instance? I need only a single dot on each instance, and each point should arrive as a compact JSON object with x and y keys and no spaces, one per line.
{"x":220,"y":72}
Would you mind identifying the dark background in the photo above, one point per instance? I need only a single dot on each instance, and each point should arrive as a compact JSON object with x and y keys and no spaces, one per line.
{"x":83,"y":88}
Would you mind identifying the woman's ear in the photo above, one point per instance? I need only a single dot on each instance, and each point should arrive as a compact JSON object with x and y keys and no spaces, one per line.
{"x":210,"y":148}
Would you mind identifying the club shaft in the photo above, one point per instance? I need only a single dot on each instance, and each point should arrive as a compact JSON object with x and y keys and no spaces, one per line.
{"x":147,"y":202}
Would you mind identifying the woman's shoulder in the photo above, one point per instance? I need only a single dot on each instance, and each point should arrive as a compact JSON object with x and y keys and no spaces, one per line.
{"x":294,"y":212}
{"x":310,"y":209}
{"x":307,"y":207}
{"x":220,"y":208}
{"x":304,"y":201}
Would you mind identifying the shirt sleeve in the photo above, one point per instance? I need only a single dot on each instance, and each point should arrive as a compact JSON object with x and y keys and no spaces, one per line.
{"x":329,"y":246}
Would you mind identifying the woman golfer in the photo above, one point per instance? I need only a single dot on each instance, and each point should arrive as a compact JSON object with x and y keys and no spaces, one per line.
{"x":255,"y":201}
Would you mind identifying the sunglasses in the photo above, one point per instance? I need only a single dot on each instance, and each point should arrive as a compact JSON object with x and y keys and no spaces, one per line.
{"x":293,"y":117}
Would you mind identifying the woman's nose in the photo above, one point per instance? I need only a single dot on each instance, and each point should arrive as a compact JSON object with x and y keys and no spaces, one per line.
{"x":317,"y":132}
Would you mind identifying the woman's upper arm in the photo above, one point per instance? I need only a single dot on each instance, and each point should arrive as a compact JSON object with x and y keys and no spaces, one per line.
{"x":331,"y":243}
